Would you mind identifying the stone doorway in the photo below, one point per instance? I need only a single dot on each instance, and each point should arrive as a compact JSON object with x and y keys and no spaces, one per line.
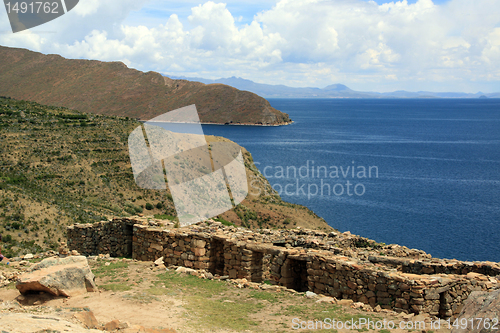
{"x":216,"y":266}
{"x":129,"y":235}
{"x":257,"y":268}
{"x":297,"y":275}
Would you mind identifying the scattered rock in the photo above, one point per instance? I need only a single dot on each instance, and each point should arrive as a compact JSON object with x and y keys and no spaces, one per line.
{"x":28,"y":256}
{"x":87,"y":318}
{"x":63,"y":248}
{"x":345,"y":302}
{"x":310,"y":294}
{"x":115,"y":325}
{"x":325,"y":299}
{"x":185,"y":270}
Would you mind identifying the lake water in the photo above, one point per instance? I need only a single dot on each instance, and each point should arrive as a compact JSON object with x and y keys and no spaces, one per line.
{"x":435,"y":169}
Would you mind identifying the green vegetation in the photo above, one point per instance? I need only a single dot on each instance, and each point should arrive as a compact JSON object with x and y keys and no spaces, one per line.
{"x":116,"y":287}
{"x":54,"y":172}
{"x":111,"y":270}
{"x":224,"y":222}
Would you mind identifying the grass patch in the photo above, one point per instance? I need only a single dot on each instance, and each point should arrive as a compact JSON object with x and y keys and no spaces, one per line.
{"x":157,"y":291}
{"x":225,"y":222}
{"x":217,"y":313}
{"x":202,"y":287}
{"x":164,"y":217}
{"x":116,"y":287}
{"x":266,"y":296}
{"x":111,"y":270}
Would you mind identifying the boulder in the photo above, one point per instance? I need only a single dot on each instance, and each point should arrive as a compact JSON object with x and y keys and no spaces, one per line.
{"x":59,"y":276}
{"x":479,"y":304}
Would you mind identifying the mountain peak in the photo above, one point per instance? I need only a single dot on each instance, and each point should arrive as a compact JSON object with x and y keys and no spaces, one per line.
{"x":336,"y":87}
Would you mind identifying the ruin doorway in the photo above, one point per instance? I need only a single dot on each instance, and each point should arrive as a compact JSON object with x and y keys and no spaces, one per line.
{"x":298,"y":275}
{"x":129,"y":236}
{"x":216,"y":266}
{"x":257,"y":268}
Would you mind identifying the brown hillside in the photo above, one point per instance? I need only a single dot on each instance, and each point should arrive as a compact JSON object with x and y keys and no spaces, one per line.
{"x":111,"y":88}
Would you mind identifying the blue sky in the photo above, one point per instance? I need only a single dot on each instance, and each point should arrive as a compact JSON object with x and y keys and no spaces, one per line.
{"x":435,"y":45}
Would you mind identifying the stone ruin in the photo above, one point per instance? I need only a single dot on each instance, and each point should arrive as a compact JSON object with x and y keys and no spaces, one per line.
{"x":335,"y":264}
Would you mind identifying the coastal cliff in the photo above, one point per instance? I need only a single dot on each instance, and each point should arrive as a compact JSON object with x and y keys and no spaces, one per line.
{"x":113,"y":89}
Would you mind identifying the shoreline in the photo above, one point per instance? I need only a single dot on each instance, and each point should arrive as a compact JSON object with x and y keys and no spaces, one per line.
{"x":221,"y":124}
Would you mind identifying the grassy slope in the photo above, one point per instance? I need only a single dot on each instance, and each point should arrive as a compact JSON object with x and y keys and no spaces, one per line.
{"x":59,"y":167}
{"x":110,"y":88}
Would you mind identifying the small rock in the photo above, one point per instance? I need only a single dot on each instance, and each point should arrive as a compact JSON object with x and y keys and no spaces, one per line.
{"x":357,"y":305}
{"x":28,"y":256}
{"x":112,"y":325}
{"x":185,"y":270}
{"x":310,"y":294}
{"x":159,"y":261}
{"x":325,"y":299}
{"x":345,"y":302}
{"x":87,"y":318}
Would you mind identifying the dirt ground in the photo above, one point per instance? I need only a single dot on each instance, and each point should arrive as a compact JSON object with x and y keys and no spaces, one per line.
{"x":139,"y":293}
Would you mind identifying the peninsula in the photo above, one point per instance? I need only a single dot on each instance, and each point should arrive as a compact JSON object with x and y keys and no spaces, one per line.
{"x":113,"y":89}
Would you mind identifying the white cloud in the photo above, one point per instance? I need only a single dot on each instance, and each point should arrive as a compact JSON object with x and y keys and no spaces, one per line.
{"x":297,"y":42}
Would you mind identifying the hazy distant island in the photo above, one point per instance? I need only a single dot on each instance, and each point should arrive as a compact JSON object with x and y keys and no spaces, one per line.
{"x":331,"y":91}
{"x":113,"y":89}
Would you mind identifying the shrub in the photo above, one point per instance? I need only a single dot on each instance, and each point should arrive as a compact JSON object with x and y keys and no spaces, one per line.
{"x":149,"y":206}
{"x":159,"y":205}
{"x":225,"y":222}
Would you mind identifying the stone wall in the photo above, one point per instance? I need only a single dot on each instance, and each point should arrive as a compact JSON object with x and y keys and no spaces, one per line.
{"x":113,"y":237}
{"x":413,"y":284}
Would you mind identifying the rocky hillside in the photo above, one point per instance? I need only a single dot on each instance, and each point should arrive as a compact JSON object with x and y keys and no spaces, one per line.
{"x":111,"y":88}
{"x":59,"y":167}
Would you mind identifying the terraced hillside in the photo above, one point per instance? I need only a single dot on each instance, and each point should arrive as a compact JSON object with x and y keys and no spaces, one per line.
{"x":59,"y":167}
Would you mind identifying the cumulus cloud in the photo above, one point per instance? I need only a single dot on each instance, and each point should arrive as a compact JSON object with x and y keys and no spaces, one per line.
{"x":296,"y":42}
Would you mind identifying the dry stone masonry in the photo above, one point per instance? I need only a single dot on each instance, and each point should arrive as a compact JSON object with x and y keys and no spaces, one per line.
{"x":336,"y":264}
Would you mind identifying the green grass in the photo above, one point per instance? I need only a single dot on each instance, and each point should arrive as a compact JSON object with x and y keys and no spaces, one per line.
{"x":203,"y":287}
{"x":116,"y":287}
{"x":112,"y":270}
{"x":216,"y":313}
{"x":267,"y":296}
{"x":164,"y":217}
{"x":225,"y":222}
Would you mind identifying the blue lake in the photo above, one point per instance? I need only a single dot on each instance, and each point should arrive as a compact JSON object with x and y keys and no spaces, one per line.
{"x":435,"y":169}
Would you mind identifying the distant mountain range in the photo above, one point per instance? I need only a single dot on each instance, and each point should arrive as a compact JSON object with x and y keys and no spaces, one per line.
{"x":331,"y":91}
